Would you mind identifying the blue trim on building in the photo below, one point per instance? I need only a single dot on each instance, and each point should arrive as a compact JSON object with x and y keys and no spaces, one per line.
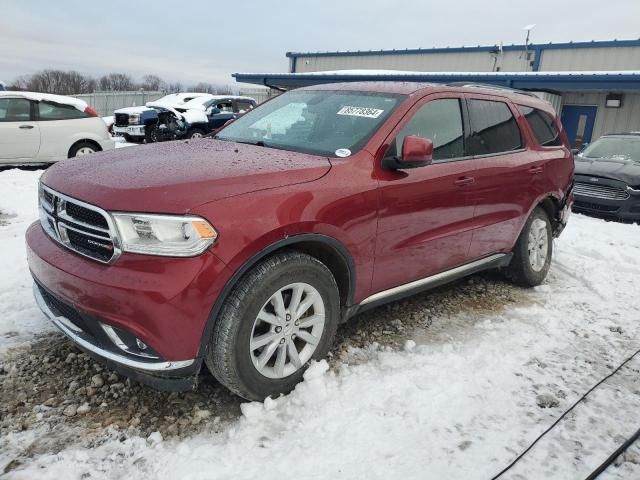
{"x":479,"y":48}
{"x":560,"y":81}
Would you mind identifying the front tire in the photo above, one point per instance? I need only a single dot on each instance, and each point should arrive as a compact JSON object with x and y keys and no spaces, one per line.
{"x":281,"y":314}
{"x":533,"y":251}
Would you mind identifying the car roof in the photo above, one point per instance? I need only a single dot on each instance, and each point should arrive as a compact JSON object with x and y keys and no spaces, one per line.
{"x":408,"y":88}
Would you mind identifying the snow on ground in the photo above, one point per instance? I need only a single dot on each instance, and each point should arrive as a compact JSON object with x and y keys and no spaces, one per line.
{"x":20,"y":319}
{"x":460,"y":401}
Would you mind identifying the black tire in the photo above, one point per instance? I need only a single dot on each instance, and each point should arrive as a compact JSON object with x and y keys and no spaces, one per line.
{"x":82,"y":146}
{"x":520,"y":270}
{"x":195,"y":132}
{"x":228,"y":356}
{"x":151,"y":134}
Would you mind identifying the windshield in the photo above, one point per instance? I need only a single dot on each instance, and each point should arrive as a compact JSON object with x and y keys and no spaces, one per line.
{"x":319,"y":122}
{"x":614,"y":148}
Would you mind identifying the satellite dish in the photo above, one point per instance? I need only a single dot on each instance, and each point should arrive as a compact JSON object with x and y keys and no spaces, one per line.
{"x":528,"y":28}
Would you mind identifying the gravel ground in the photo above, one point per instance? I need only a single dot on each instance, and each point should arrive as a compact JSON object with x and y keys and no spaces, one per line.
{"x":52,"y":388}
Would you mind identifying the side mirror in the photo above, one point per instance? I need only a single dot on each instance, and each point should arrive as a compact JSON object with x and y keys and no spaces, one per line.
{"x":213,"y":111}
{"x":416,"y":152}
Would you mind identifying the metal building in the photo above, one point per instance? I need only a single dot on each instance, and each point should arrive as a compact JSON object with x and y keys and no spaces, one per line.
{"x":594,"y":85}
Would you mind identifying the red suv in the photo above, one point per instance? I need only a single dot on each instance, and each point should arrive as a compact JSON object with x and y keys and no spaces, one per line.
{"x":245,"y":251}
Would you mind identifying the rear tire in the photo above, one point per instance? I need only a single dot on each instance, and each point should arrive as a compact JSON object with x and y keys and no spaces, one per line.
{"x":82,"y":148}
{"x":242,"y":339}
{"x":533,"y":251}
{"x":195,"y":133}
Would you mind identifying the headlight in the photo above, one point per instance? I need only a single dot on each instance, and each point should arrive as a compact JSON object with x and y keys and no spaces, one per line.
{"x":134,"y":119}
{"x":166,"y":235}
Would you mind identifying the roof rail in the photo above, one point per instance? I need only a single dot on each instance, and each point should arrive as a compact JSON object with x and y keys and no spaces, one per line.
{"x":490,"y":86}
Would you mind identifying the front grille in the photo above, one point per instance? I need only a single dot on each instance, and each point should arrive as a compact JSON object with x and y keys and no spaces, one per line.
{"x":85,"y":215}
{"x":80,"y":227}
{"x":595,"y":206}
{"x":122,"y":120}
{"x":606,"y":192}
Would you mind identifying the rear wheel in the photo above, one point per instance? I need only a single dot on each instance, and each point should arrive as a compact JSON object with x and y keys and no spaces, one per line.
{"x":195,"y":133}
{"x":278,"y":317}
{"x":533,"y":251}
{"x":81,"y":149}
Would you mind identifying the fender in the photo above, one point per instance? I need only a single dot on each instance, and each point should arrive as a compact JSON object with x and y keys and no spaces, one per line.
{"x":289,"y":241}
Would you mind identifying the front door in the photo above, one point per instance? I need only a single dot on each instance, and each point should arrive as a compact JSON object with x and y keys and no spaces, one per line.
{"x":425,"y":214}
{"x":578,"y":121}
{"x":19,"y":134}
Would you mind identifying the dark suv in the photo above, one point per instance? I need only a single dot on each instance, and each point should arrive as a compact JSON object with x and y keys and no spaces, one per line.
{"x":245,"y":251}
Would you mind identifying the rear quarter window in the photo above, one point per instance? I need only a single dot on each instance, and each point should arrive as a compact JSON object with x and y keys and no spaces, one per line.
{"x":542,"y":125}
{"x":58,"y":111}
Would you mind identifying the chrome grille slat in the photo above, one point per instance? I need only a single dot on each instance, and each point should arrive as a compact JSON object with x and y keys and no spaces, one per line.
{"x":605,"y":192}
{"x":58,"y":223}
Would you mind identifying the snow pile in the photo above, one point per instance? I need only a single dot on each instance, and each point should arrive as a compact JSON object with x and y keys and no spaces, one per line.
{"x":459,"y":402}
{"x":20,"y":319}
{"x":38,"y":97}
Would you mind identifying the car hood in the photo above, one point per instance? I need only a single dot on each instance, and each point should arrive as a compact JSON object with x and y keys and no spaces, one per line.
{"x":627,"y":171}
{"x":175,"y":177}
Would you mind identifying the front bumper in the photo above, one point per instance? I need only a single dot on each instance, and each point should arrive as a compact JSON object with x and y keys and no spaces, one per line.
{"x":134,"y":131}
{"x":163,"y":302}
{"x":621,"y":209}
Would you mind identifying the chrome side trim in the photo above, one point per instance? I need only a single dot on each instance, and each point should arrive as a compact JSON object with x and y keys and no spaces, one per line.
{"x":422,"y":282}
{"x":64,"y":323}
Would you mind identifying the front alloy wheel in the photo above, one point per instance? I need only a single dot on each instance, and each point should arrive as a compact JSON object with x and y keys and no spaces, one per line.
{"x":280,"y":315}
{"x":287,"y":330}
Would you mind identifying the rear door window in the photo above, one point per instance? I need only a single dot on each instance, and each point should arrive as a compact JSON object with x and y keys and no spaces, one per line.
{"x":439,"y":121}
{"x":58,"y":111}
{"x":493,"y":128}
{"x":15,"y":110}
{"x":542,"y":125}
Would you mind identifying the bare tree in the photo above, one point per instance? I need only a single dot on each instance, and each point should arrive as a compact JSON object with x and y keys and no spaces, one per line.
{"x":55,"y":81}
{"x":153,"y":82}
{"x":174,"y":87}
{"x":116,"y":82}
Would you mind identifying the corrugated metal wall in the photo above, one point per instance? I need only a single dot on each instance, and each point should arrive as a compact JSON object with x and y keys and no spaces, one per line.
{"x":424,"y":62}
{"x":563,"y":59}
{"x":621,"y":58}
{"x":609,"y":120}
{"x":106,"y":102}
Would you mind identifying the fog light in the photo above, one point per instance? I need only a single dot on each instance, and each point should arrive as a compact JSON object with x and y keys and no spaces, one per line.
{"x":141,"y":344}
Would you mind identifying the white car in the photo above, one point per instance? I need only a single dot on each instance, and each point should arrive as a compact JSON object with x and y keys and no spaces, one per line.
{"x":39,"y":128}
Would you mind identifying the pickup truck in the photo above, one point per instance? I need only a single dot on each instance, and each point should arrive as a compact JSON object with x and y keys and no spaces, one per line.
{"x":179,"y":115}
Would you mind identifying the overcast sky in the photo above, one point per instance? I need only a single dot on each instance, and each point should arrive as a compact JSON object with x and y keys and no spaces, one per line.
{"x":207,"y":41}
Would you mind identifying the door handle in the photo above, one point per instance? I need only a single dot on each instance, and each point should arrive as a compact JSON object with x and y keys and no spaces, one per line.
{"x":535,"y":169}
{"x":26,"y":127}
{"x":462,"y":181}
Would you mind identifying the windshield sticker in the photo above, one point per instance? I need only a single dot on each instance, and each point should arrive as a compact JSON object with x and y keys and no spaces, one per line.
{"x":343,"y":152}
{"x":360,"y":112}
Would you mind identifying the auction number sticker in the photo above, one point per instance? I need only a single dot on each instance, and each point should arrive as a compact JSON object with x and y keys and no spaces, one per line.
{"x":360,"y":112}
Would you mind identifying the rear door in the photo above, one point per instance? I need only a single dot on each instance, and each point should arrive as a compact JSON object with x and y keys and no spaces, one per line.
{"x":19,"y":133}
{"x":509,"y":177}
{"x":425,"y":214}
{"x":60,"y":125}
